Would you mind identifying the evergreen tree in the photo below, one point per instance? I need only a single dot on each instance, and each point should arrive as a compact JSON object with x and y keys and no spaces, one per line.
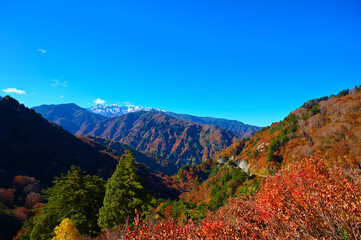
{"x":73,"y":196}
{"x":124,"y":193}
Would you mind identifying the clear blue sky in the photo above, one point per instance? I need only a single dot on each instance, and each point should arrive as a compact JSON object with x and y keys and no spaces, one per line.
{"x":253,"y":61}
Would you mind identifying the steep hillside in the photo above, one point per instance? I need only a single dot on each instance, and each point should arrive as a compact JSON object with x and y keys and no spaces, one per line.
{"x":70,"y":116}
{"x":156,"y":133}
{"x":243,"y":130}
{"x":153,"y":162}
{"x":32,"y":146}
{"x":329,"y":127}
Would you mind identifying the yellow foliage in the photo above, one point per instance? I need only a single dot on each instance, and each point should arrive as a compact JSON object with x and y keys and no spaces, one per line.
{"x":66,"y":231}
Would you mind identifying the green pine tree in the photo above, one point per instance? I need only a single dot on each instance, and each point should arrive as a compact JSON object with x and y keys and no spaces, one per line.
{"x":124,"y":193}
{"x":73,"y":196}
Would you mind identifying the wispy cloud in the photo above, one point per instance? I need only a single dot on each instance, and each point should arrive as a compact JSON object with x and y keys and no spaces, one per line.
{"x":14,"y":90}
{"x":42,"y":51}
{"x":128,"y":104}
{"x":57,"y":82}
{"x":99,"y":101}
{"x":61,"y":96}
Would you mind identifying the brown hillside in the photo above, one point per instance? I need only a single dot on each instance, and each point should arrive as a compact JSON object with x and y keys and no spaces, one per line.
{"x":175,"y":140}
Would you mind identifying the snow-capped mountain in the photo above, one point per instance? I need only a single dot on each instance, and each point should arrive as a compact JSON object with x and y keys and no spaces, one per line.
{"x":117,"y":110}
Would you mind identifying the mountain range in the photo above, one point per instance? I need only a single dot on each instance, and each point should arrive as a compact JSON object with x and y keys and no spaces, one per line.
{"x":72,"y":117}
{"x":173,"y":139}
{"x":114,"y":110}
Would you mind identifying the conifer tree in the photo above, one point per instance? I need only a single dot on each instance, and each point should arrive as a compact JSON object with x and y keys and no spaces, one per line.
{"x":73,"y":196}
{"x":124,"y":193}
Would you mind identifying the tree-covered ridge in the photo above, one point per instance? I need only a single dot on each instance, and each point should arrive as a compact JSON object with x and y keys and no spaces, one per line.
{"x":179,"y":142}
{"x":330,"y":125}
{"x":30,"y":145}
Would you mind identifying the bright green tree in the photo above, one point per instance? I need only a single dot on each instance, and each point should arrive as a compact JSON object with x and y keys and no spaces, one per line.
{"x":73,"y":196}
{"x":124,"y":193}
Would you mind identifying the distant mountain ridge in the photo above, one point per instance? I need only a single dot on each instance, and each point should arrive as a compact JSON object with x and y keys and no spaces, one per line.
{"x":157,"y":133}
{"x":243,"y":130}
{"x":70,"y":116}
{"x":114,"y":110}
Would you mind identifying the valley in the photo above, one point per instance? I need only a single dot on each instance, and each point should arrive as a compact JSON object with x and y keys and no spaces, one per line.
{"x":187,"y":169}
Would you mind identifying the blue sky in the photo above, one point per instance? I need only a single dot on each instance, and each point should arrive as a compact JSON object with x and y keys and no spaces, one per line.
{"x":253,"y":61}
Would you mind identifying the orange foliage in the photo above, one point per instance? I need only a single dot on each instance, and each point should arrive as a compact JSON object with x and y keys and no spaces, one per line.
{"x":307,"y":200}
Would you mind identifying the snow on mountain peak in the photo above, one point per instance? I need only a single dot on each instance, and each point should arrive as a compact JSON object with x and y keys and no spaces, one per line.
{"x":117,"y":110}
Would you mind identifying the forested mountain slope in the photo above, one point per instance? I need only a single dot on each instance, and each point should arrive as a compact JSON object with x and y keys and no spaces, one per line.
{"x":177,"y":141}
{"x":31,"y":145}
{"x":153,"y":162}
{"x":329,"y":127}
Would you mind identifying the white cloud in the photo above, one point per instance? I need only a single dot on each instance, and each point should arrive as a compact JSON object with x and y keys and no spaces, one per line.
{"x":99,"y":101}
{"x":128,"y":104}
{"x":41,"y":50}
{"x":14,"y":90}
{"x":57,"y":82}
{"x":61,"y":96}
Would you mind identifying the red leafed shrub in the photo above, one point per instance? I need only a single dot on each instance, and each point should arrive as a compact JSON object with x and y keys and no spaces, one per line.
{"x":37,"y":207}
{"x":308,"y":200}
{"x":32,"y":198}
{"x":26,"y":184}
{"x":7,"y":196}
{"x":21,"y":213}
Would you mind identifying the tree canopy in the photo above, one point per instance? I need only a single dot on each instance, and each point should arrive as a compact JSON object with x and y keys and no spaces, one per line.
{"x":124,"y":193}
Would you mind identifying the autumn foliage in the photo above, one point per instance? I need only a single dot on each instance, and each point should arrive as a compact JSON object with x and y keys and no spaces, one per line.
{"x":308,"y":200}
{"x":66,"y":231}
